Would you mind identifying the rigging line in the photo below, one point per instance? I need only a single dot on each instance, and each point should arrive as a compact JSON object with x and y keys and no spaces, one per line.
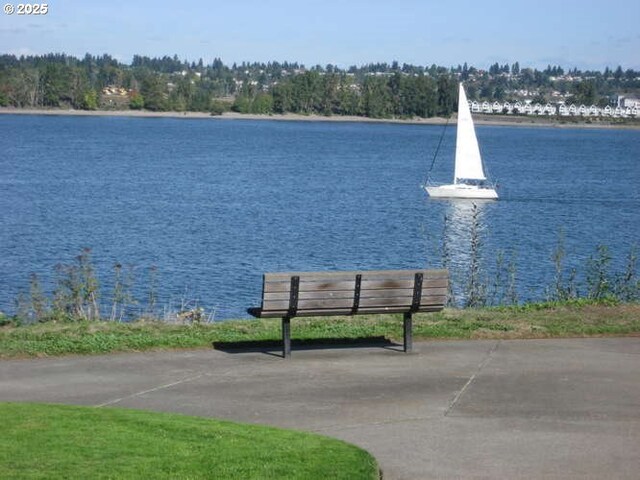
{"x":435,"y":155}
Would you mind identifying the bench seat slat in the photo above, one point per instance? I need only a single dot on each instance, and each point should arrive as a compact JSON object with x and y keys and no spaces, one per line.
{"x":348,"y":285}
{"x":341,"y":312}
{"x":329,"y":303}
{"x":395,"y":292}
{"x":350,"y":275}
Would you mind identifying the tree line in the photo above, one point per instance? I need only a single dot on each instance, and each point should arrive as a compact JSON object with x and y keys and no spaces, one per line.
{"x":377,"y":90}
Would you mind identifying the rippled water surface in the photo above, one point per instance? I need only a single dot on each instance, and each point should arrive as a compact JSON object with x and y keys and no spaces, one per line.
{"x":212,"y":204}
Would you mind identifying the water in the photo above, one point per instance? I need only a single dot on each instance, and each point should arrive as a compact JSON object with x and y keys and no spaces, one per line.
{"x":212,"y":204}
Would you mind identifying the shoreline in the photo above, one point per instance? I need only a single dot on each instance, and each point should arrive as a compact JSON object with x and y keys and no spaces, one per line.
{"x":497,"y":120}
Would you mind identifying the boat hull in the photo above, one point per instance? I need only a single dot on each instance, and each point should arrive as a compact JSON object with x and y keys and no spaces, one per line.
{"x":462,"y":191}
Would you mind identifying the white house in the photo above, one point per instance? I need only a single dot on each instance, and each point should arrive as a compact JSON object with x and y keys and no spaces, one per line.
{"x":630,"y":102}
{"x":527,"y":107}
{"x":517,"y":108}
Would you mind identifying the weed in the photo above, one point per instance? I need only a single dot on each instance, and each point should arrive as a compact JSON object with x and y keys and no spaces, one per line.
{"x":627,"y":284}
{"x":599,"y":283}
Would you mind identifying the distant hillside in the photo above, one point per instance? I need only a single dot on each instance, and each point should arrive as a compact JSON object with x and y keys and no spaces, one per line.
{"x":377,"y":90}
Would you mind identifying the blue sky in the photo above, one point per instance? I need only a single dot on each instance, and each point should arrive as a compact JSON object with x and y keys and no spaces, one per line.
{"x":586,"y":34}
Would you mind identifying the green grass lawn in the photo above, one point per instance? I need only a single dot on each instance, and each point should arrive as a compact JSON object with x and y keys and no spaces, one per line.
{"x":529,"y":321}
{"x":54,"y":442}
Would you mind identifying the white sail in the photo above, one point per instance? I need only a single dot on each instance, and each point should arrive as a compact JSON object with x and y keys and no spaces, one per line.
{"x":468,"y":161}
{"x":468,"y":164}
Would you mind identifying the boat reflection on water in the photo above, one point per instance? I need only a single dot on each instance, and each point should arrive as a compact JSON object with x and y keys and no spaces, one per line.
{"x":462,"y":241}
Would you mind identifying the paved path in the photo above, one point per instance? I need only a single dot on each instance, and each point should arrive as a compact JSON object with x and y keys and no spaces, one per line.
{"x":521,"y":409}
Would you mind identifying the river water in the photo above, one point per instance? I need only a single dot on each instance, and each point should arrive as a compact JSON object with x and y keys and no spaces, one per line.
{"x":208,"y":205}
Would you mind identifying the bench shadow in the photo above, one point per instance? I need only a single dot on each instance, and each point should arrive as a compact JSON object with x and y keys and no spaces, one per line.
{"x":274,"y":347}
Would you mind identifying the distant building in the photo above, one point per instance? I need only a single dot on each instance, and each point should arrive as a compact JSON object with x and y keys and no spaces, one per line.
{"x":628,"y":102}
{"x":629,"y":107}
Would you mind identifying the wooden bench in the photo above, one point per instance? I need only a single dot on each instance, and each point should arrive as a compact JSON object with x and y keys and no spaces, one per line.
{"x":318,"y":294}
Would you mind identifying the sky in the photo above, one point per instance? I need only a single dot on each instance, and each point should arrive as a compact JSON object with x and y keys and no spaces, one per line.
{"x":586,"y":34}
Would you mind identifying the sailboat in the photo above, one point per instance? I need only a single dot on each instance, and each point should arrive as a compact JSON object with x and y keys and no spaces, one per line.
{"x":469,"y":180}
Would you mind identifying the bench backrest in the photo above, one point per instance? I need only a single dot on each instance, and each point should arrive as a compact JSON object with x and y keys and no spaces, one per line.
{"x":298,"y":294}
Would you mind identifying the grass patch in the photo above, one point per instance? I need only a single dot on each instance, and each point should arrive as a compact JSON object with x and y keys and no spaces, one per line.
{"x":55,"y":441}
{"x":528,"y":321}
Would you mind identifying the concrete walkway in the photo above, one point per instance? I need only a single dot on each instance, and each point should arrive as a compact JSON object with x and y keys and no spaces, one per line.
{"x":521,"y":409}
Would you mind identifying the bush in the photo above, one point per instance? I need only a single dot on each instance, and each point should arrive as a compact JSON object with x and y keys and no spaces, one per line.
{"x":218,"y":107}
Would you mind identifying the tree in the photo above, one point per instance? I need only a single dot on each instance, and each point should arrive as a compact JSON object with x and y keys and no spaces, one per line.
{"x":329,"y":102}
{"x":153,"y":91}
{"x":89,"y":100}
{"x":426,"y":97}
{"x":585,"y":92}
{"x":218,"y":107}
{"x":136,"y":102}
{"x":282,"y":97}
{"x":242,"y":104}
{"x":306,"y":92}
{"x":262,"y":104}
{"x":53,"y":84}
{"x":446,"y":96}
{"x":348,"y":97}
{"x":376,"y":98}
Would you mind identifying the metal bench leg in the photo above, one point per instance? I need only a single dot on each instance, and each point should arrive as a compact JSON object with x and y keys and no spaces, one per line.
{"x":408,"y":334}
{"x":286,"y":337}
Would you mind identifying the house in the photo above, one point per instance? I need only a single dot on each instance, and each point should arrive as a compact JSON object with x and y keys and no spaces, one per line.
{"x":547,"y":109}
{"x":475,"y":107}
{"x":486,"y":107}
{"x":517,"y":108}
{"x":630,"y":101}
{"x":563,"y":110}
{"x":496,"y":107}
